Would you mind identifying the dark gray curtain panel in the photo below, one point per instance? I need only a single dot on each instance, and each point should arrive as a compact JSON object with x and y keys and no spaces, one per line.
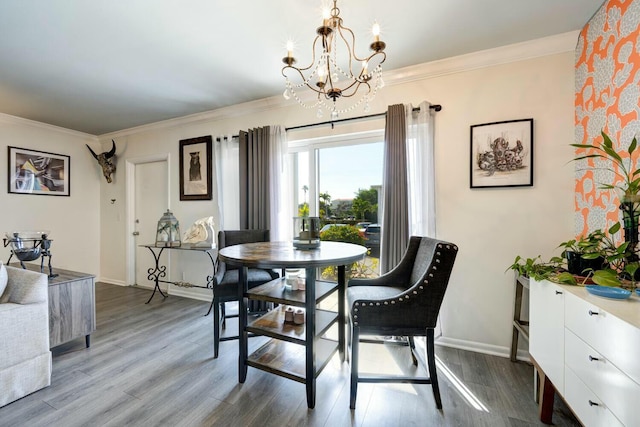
{"x":395,"y":212}
{"x":254,"y":179}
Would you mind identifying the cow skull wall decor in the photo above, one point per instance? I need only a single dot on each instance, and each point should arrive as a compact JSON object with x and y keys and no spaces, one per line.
{"x":107,"y":161}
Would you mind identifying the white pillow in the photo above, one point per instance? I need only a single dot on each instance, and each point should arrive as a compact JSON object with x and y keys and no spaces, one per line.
{"x":3,"y":278}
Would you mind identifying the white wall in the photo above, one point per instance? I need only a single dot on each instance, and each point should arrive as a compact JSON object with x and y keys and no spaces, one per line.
{"x":491,"y":226}
{"x":74,"y":221}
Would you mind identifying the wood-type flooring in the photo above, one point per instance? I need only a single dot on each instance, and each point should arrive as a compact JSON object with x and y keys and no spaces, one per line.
{"x":152,"y":365}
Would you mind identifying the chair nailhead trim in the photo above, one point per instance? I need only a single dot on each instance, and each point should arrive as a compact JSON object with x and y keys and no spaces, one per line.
{"x":370,"y":304}
{"x":438,"y":253}
{"x":355,"y":323}
{"x":434,"y":267}
{"x":430,"y":274}
{"x":377,"y":303}
{"x":357,"y":304}
{"x":438,"y":260}
{"x":416,"y":292}
{"x":421,"y":287}
{"x":393,"y":302}
{"x":386,"y":303}
{"x":355,"y":309}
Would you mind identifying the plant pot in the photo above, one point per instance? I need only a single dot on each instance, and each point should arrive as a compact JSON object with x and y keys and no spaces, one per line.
{"x":577,"y":265}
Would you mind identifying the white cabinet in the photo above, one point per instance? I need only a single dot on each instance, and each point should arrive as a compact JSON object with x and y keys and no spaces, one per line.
{"x":546,"y":330}
{"x":597,"y":341}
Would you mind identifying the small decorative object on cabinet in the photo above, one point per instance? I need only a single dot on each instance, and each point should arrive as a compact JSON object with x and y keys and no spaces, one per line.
{"x":306,"y":232}
{"x":28,"y":246}
{"x":168,"y":231}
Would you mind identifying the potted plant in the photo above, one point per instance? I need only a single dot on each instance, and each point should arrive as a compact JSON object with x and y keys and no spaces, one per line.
{"x":585,"y":254}
{"x":535,"y":268}
{"x":621,"y":165}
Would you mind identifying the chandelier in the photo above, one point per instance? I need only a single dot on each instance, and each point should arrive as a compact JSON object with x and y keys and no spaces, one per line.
{"x":336,"y":71}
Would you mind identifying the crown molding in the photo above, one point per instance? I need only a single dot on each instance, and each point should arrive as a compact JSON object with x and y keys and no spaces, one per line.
{"x":546,"y":46}
{"x":8,"y":118}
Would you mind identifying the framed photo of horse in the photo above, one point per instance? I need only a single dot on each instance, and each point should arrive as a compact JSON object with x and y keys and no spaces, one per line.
{"x":38,"y":172}
{"x":502,"y":154}
{"x":196,"y":168}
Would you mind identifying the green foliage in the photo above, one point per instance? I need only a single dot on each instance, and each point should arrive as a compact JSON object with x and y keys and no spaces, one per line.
{"x":346,"y":233}
{"x":366,"y":201}
{"x":535,"y":268}
{"x":621,"y":165}
{"x":303,"y":209}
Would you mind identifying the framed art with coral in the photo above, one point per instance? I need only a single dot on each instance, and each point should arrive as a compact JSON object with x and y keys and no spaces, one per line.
{"x":502,"y":154}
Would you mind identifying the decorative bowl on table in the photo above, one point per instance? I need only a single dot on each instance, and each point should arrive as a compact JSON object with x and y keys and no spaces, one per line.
{"x":608,"y":292}
{"x":26,"y":245}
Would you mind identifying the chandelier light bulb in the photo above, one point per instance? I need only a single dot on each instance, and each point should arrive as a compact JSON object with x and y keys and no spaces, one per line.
{"x":285,"y":94}
{"x":376,"y":31}
{"x":289,"y":48}
{"x":334,"y":114}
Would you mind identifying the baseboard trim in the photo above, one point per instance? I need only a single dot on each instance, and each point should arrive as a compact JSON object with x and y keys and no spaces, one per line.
{"x":111,"y":281}
{"x":478,"y":347}
{"x":190,"y":293}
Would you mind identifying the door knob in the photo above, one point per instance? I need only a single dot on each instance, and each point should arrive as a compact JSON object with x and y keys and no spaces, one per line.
{"x":136,"y":233}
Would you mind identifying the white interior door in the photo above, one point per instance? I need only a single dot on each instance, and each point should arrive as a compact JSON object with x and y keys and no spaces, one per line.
{"x":150,"y":203}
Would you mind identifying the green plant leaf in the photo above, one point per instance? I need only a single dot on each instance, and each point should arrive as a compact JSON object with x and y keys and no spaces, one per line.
{"x":614,"y":228}
{"x":633,"y":145}
{"x":565,"y":278}
{"x":606,"y":278}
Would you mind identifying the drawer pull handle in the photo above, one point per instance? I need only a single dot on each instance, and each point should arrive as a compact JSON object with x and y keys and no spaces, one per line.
{"x":591,"y":358}
{"x":593,"y":313}
{"x":592,"y":403}
{"x":558,"y":292}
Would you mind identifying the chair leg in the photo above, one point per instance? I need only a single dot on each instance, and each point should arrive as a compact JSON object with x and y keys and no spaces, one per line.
{"x":431,"y":361}
{"x":355,"y":339}
{"x":224,"y":315}
{"x":216,"y":327}
{"x":412,"y":348}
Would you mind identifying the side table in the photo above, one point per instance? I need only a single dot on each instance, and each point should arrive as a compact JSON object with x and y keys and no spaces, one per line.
{"x":72,"y":305}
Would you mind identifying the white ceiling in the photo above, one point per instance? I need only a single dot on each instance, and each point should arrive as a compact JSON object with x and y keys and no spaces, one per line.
{"x":99,"y":66}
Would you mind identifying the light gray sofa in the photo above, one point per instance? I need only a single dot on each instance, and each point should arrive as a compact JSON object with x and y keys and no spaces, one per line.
{"x":25,"y":358}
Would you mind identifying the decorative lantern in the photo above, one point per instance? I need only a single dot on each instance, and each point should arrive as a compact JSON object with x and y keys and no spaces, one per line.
{"x":168,"y":231}
{"x":306,"y":232}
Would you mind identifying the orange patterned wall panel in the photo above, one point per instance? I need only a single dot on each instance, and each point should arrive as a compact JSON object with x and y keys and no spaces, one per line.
{"x":607,"y":98}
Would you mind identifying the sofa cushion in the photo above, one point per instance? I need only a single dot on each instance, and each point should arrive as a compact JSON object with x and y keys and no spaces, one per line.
{"x":3,"y":281}
{"x":26,"y":287}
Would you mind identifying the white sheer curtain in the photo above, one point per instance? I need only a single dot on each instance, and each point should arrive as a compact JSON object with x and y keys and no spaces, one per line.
{"x":281,"y":203}
{"x":227,"y":185}
{"x":421,"y":170}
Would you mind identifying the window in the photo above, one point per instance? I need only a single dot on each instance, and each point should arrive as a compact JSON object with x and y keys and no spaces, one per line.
{"x":339,"y":179}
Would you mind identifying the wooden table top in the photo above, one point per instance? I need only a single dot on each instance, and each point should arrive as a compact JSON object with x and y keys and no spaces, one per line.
{"x":283,"y":254}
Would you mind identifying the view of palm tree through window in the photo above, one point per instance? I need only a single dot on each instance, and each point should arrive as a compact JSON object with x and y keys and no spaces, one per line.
{"x":349,"y":181}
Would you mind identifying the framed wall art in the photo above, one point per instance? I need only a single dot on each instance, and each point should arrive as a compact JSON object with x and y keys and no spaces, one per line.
{"x":195,"y":168}
{"x":38,"y":172}
{"x":502,"y":154}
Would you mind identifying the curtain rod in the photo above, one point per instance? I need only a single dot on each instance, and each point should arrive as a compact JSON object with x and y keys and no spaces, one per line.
{"x":435,"y":107}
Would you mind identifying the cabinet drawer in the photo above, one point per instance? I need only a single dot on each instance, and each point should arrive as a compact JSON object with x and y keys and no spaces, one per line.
{"x":586,"y":405}
{"x":618,"y":392}
{"x":613,"y":338}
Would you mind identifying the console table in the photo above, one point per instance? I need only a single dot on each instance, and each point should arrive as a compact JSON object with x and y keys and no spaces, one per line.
{"x":158,"y":272}
{"x":296,"y":352}
{"x":72,"y":305}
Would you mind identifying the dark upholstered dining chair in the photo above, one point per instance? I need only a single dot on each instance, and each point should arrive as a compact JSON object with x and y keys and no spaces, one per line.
{"x":225,"y":287}
{"x":403,"y":302}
